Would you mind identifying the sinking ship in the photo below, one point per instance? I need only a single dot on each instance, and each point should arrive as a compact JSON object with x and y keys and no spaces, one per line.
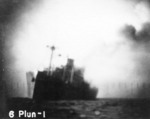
{"x":62,"y":83}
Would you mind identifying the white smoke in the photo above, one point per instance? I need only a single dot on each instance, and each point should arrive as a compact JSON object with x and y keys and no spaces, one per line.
{"x":89,"y":32}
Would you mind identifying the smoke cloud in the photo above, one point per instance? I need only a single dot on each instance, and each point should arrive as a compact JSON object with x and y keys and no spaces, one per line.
{"x":89,"y":32}
{"x":140,"y":44}
{"x":10,"y":13}
{"x":132,"y":70}
{"x":139,"y":40}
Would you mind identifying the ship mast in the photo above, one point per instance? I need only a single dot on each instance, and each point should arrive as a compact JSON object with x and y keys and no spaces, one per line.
{"x":50,"y":65}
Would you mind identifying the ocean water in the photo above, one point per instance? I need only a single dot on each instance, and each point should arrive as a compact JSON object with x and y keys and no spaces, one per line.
{"x":81,"y":109}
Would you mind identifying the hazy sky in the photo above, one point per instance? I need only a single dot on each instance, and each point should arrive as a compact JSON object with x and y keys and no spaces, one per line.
{"x":101,"y":35}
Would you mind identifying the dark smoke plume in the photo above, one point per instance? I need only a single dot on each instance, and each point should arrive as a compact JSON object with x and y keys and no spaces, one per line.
{"x":140,"y":45}
{"x":142,"y":36}
{"x":10,"y":10}
{"x":147,"y":2}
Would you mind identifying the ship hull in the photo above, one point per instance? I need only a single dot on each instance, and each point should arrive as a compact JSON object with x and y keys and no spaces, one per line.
{"x":54,"y":88}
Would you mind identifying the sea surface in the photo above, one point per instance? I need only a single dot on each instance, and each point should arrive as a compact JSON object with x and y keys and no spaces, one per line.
{"x":81,"y":109}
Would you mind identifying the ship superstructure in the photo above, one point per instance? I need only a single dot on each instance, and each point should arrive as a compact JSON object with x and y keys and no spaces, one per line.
{"x":63,"y":83}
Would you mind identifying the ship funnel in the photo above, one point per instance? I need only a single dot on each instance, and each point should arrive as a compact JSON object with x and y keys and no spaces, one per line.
{"x":69,"y":71}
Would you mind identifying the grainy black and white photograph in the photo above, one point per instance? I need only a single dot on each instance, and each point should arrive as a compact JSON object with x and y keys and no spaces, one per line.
{"x":75,"y":59}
